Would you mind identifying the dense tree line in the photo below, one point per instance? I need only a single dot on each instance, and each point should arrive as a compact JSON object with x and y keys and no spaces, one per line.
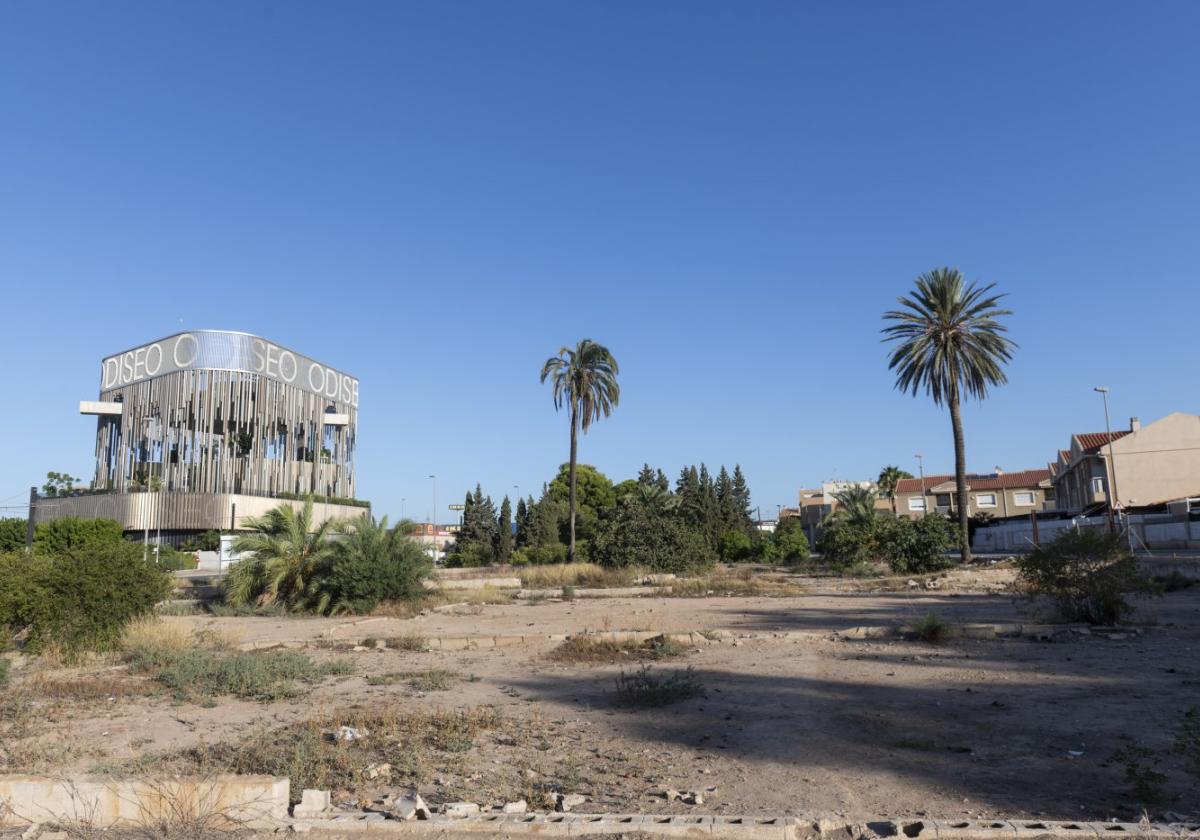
{"x":641,"y":521}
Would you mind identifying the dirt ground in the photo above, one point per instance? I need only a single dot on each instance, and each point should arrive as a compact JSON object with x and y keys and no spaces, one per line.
{"x":811,"y":724}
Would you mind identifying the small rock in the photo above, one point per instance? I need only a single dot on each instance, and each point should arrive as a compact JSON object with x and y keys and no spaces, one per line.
{"x":571,"y":800}
{"x":912,"y":584}
{"x":376,"y":770}
{"x":460,"y":810}
{"x":518,"y":807}
{"x":31,"y":832}
{"x":349,"y":733}
{"x":692,"y":798}
{"x":410,"y":807}
{"x":313,"y":804}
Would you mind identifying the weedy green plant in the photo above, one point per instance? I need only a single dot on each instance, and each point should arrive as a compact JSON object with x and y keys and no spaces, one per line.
{"x":1140,"y":765}
{"x":568,"y":593}
{"x":932,"y":629}
{"x":1087,"y":573}
{"x":5,"y":667}
{"x":433,"y":680}
{"x":199,"y":674}
{"x":644,"y":689}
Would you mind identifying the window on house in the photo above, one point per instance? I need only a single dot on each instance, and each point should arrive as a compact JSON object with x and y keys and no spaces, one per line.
{"x":1049,"y":494}
{"x":1097,"y":485}
{"x":916,"y":503}
{"x":1024,"y":498}
{"x":985,"y":499}
{"x":943,"y":500}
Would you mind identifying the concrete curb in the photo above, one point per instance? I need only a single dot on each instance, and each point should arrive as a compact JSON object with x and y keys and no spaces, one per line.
{"x":747,"y":827}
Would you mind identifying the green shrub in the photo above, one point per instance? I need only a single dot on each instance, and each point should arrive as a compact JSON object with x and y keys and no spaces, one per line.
{"x":932,"y":629}
{"x":58,"y":536}
{"x":1087,"y":573}
{"x":916,"y":546}
{"x":845,"y":544}
{"x":81,"y":600}
{"x":5,"y":667}
{"x":471,"y":556}
{"x":170,"y":560}
{"x":636,"y":533}
{"x":12,"y":534}
{"x":368,"y":566}
{"x":545,"y":555}
{"x":736,"y":547}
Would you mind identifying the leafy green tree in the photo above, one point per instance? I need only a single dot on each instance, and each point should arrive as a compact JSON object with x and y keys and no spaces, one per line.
{"x":585,"y":380}
{"x":544,"y":519}
{"x":889,"y":478}
{"x":951,"y":343}
{"x":58,"y":484}
{"x":285,"y":550}
{"x":844,"y":543}
{"x":640,"y":533}
{"x":645,"y":475}
{"x":12,"y":534}
{"x":504,"y":538}
{"x":791,"y":544}
{"x":736,"y":547}
{"x":594,"y":494}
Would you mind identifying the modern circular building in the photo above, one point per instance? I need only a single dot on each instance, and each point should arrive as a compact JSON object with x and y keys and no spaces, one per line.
{"x":201,"y":429}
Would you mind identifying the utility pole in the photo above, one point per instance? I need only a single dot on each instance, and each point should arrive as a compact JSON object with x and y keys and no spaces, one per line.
{"x":1115,"y":501}
{"x":921,"y":467}
{"x":434,"y":523}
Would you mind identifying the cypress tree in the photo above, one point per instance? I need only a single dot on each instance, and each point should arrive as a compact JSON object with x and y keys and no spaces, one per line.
{"x":741,"y":499}
{"x":504,"y":539}
{"x":522,"y":525}
{"x":645,"y":476}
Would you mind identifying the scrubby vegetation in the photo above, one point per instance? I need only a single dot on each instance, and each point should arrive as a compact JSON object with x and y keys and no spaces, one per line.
{"x":599,"y":650}
{"x":79,"y":589}
{"x":642,"y":688}
{"x":1087,"y":573}
{"x":200,"y":669}
{"x":908,"y":546}
{"x":298,"y":566}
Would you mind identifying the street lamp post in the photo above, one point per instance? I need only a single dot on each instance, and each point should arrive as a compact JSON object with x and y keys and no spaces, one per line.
{"x":1115,"y":502}
{"x":921,"y":468}
{"x":434,"y":522}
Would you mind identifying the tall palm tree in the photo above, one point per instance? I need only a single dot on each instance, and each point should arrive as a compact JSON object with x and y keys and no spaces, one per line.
{"x":285,"y":551}
{"x":889,"y":478}
{"x":586,"y":380}
{"x":951,"y":343}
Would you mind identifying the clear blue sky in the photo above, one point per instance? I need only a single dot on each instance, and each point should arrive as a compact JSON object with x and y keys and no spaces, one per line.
{"x":435,"y":196}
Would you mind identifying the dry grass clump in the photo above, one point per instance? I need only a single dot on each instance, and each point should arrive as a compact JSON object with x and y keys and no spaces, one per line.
{"x":416,"y":745}
{"x":599,"y":650}
{"x":586,"y":575}
{"x":90,"y":688}
{"x":743,"y":582}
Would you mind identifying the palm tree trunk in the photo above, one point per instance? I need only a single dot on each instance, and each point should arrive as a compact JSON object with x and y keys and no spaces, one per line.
{"x":571,"y":494}
{"x":960,"y":476}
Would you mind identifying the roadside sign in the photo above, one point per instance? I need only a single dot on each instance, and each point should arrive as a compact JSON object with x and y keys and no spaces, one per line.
{"x":457,"y":507}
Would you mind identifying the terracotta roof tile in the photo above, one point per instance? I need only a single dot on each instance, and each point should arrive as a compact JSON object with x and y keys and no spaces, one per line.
{"x":991,"y":481}
{"x":1091,"y":442}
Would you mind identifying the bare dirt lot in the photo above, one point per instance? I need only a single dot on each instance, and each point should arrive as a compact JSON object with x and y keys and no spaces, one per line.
{"x":808,"y":723}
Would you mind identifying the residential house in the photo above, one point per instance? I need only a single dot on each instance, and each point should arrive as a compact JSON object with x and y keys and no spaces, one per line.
{"x":1139,"y":467}
{"x":1002,"y":494}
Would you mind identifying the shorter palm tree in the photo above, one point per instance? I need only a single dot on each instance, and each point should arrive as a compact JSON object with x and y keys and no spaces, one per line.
{"x":857,"y":506}
{"x":889,"y":478}
{"x":285,"y":553}
{"x":369,"y":564}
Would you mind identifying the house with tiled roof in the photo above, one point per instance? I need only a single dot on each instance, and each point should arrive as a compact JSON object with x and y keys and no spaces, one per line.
{"x":1139,"y":467}
{"x":1001,"y":494}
